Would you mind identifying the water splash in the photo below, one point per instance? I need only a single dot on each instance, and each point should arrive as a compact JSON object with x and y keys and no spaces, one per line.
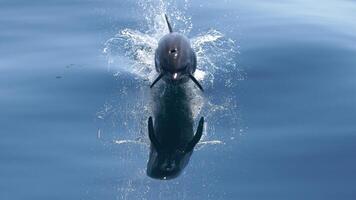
{"x":131,"y":142}
{"x":132,"y":51}
{"x":203,"y":144}
{"x":199,"y":146}
{"x":136,"y":49}
{"x":215,"y":54}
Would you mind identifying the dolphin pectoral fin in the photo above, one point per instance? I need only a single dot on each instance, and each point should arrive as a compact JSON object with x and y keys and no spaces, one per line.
{"x":151,"y":134}
{"x":196,"y":82}
{"x":199,"y":132}
{"x":196,"y":137}
{"x":156,"y":80}
{"x":168,"y":24}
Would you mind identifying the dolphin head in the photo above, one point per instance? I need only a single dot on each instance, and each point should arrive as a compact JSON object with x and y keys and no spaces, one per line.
{"x":175,"y":58}
{"x":167,"y":165}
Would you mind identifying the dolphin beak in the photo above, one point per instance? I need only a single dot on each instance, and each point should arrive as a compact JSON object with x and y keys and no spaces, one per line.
{"x":175,"y":75}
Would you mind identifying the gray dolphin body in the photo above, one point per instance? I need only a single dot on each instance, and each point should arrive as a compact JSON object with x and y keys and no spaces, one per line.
{"x":171,"y":132}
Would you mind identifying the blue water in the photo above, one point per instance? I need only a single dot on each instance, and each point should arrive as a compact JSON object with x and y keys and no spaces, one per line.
{"x":289,"y":131}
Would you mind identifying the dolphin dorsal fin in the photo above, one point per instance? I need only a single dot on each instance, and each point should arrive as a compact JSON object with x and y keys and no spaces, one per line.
{"x":168,"y":24}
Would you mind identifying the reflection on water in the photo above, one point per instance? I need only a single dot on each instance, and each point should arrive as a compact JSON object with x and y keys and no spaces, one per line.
{"x":59,"y":135}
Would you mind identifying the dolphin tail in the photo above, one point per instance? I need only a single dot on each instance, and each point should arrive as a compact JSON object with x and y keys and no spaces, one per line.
{"x":168,"y":24}
{"x":196,"y":82}
{"x":156,"y":80}
{"x":196,"y":137}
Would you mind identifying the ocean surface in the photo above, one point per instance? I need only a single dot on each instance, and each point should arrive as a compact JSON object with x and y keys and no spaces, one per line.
{"x":279,"y":100}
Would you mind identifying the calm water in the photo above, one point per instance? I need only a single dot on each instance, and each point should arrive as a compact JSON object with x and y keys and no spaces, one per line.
{"x":288,"y":128}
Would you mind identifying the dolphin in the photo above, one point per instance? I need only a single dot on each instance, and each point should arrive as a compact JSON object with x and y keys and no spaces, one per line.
{"x":175,"y":59}
{"x":171,"y":131}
